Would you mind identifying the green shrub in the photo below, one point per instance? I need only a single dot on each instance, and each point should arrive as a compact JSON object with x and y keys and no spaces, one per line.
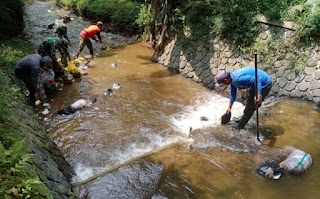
{"x":15,"y":181}
{"x":119,"y":15}
{"x":307,"y":16}
{"x":125,"y":17}
{"x":11,"y":18}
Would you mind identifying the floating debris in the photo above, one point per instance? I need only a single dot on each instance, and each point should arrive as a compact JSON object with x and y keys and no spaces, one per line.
{"x":116,"y":86}
{"x":45,"y":112}
{"x":109,"y":92}
{"x":67,"y":110}
{"x":113,"y":65}
{"x":270,"y":170}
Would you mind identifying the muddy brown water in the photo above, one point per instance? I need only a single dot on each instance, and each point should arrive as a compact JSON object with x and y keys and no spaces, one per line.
{"x":135,"y":143}
{"x":154,"y":109}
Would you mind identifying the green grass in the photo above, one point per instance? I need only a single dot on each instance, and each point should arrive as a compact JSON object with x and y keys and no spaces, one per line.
{"x":16,"y":180}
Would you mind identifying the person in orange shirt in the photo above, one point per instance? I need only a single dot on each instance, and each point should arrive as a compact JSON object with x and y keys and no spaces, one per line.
{"x":91,"y":32}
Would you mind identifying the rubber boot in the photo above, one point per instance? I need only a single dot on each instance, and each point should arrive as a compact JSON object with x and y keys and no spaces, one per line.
{"x":243,"y":121}
{"x":91,"y":54}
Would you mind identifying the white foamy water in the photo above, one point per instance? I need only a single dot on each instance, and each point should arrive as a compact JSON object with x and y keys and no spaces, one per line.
{"x":214,"y":107}
{"x":211,"y":106}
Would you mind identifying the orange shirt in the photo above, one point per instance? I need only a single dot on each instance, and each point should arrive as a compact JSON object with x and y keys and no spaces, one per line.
{"x":89,"y":32}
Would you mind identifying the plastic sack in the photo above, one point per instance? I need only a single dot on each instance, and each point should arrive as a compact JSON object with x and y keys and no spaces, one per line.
{"x":71,"y":68}
{"x":48,"y":78}
{"x":297,"y":162}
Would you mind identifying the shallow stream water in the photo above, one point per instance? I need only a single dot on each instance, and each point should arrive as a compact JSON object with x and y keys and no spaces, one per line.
{"x":147,"y":139}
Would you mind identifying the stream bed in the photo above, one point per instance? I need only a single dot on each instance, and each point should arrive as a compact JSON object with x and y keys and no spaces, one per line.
{"x":147,"y":138}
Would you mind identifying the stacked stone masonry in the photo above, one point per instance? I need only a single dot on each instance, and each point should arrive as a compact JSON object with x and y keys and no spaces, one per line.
{"x":201,"y":64}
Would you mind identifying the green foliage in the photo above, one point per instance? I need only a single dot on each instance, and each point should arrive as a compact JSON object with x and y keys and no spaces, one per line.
{"x":13,"y":174}
{"x":11,"y":18}
{"x":125,"y":16}
{"x":118,"y":14}
{"x":145,"y":16}
{"x":15,"y":182}
{"x":307,"y":16}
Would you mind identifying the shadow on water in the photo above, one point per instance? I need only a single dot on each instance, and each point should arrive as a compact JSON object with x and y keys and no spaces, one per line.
{"x":271,"y":133}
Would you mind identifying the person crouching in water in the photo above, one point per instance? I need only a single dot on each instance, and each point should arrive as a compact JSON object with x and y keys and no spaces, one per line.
{"x":28,"y":68}
{"x":91,"y":32}
{"x":49,"y":48}
{"x":242,"y":79}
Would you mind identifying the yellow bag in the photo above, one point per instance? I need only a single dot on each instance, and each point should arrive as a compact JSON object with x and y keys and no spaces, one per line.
{"x":71,"y":68}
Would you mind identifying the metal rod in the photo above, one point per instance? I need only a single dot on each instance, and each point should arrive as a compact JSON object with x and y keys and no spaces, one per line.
{"x":88,"y":60}
{"x":257,"y":106}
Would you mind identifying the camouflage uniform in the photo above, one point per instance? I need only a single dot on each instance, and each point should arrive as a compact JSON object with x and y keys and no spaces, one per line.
{"x":59,"y":29}
{"x":49,"y":47}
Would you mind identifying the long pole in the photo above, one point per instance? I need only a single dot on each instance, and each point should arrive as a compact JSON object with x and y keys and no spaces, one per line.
{"x":257,"y":106}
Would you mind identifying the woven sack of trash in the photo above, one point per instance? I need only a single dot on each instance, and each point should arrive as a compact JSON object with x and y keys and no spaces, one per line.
{"x":297,"y":162}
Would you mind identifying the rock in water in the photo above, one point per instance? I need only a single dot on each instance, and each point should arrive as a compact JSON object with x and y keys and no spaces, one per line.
{"x":204,"y":118}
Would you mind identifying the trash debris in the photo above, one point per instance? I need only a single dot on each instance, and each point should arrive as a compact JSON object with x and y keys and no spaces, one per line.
{"x":37,"y":103}
{"x":67,"y":110}
{"x":270,"y":170}
{"x":297,"y":162}
{"x":204,"y":118}
{"x":225,"y":118}
{"x":116,"y":86}
{"x":81,"y":103}
{"x":45,"y":112}
{"x":109,"y":92}
{"x":71,"y":68}
{"x":113,"y":65}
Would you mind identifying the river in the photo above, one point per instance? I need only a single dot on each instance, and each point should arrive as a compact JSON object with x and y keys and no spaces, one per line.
{"x":136,"y":143}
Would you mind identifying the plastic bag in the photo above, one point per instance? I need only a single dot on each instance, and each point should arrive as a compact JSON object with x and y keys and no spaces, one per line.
{"x":297,"y":162}
{"x":71,"y":68}
{"x":48,"y":78}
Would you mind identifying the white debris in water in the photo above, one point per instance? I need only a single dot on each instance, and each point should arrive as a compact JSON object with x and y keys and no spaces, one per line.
{"x":116,"y":86}
{"x":113,"y":65}
{"x":45,"y":112}
{"x":81,"y":103}
{"x":213,"y":108}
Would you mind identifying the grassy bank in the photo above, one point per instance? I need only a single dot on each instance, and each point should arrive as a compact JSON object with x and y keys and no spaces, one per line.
{"x":16,"y":181}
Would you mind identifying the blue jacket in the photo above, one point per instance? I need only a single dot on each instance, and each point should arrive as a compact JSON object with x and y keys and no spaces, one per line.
{"x":245,"y":78}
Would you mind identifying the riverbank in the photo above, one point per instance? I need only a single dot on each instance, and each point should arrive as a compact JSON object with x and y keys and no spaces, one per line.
{"x":31,"y":165}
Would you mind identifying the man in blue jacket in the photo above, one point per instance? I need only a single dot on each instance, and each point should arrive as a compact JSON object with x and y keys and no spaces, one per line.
{"x":242,"y":79}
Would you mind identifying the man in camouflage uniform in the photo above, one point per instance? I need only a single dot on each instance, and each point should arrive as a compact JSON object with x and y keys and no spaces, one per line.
{"x":59,"y":28}
{"x":49,"y":47}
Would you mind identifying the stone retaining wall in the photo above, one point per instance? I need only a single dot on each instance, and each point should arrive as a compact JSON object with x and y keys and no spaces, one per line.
{"x":295,"y":70}
{"x":46,"y":159}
